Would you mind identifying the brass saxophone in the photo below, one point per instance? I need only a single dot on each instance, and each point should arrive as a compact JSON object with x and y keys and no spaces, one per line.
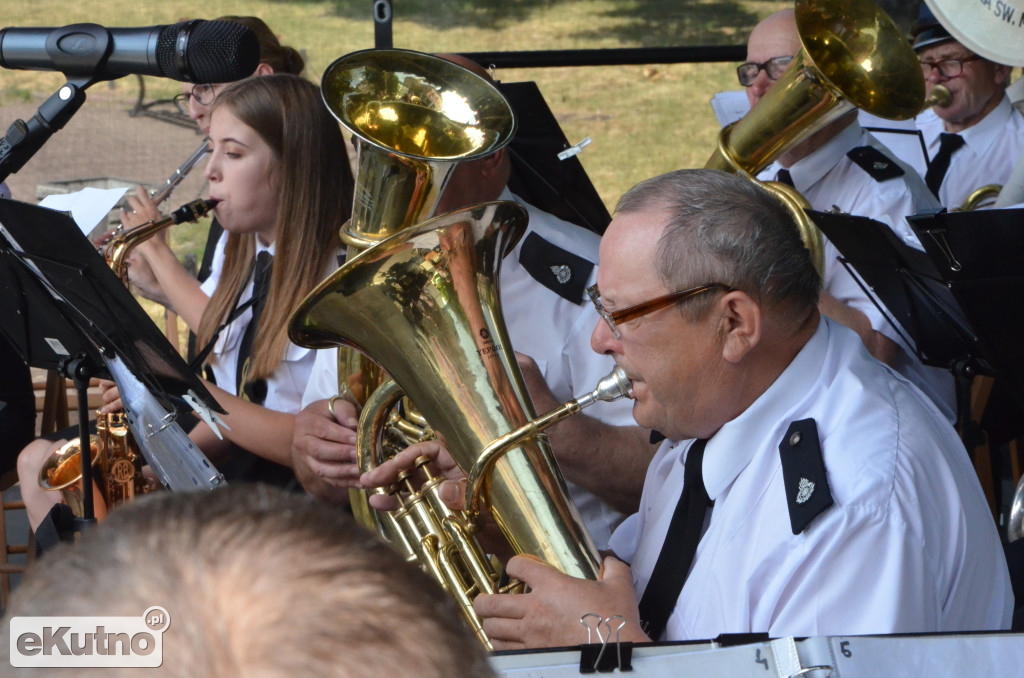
{"x":113,"y":450}
{"x":114,"y":455}
{"x":121,"y":245}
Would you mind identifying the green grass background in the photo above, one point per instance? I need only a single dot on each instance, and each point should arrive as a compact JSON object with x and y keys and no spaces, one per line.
{"x":643,"y":120}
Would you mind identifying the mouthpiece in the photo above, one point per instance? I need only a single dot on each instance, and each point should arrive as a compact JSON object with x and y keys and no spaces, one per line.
{"x":939,"y":98}
{"x":612,"y":386}
{"x":192,"y":211}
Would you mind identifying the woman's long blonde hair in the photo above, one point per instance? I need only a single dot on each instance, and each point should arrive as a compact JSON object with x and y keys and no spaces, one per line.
{"x":315,"y":184}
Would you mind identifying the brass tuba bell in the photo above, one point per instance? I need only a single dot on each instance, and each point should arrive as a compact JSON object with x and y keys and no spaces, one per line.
{"x":424,"y":305}
{"x":415,"y":117}
{"x":852,"y":55}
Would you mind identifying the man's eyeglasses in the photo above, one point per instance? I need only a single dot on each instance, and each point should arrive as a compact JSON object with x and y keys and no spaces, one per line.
{"x":774,"y":67}
{"x":203,"y":94}
{"x":948,"y":68}
{"x":624,"y":315}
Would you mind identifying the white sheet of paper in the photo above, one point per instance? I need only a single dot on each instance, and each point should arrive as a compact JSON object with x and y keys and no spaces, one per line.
{"x":730,"y":106}
{"x":88,"y":207}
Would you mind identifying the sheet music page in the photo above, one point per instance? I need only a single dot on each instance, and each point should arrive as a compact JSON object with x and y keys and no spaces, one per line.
{"x":88,"y":207}
{"x":730,"y":106}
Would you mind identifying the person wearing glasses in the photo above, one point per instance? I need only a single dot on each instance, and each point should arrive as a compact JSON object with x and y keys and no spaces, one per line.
{"x":196,"y":101}
{"x":843,"y":166}
{"x":803,"y":489}
{"x":977,"y":139}
{"x":603,"y":454}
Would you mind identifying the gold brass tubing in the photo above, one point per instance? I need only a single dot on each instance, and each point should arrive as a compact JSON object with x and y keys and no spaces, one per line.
{"x":612,"y":386}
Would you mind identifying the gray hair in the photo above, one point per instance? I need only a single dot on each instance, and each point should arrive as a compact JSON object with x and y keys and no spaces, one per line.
{"x":725,"y":229}
{"x":257,"y":582}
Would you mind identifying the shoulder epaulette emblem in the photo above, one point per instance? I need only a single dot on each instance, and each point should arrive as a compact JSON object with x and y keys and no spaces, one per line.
{"x":559,"y":270}
{"x":803,"y":474}
{"x":880,"y":166}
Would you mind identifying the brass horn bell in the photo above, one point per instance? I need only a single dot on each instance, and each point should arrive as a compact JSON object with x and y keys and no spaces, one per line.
{"x":424,"y":306}
{"x":415,"y":117}
{"x":852,"y":55}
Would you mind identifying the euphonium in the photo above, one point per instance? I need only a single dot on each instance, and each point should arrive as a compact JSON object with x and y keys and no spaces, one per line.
{"x":985,"y":196}
{"x":423,"y":304}
{"x":415,"y":117}
{"x":115,"y":456}
{"x":852,"y":55}
{"x":121,"y":245}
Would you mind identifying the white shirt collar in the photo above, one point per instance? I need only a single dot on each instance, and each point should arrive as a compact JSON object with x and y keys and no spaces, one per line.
{"x":808,"y":171}
{"x":733,"y":446}
{"x":260,"y":247}
{"x":989,"y":129}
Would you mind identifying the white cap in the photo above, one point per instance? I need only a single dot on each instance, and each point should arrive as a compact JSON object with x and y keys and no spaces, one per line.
{"x":996,"y":37}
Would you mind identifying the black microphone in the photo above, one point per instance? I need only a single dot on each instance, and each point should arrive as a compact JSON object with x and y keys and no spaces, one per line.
{"x":193,"y":51}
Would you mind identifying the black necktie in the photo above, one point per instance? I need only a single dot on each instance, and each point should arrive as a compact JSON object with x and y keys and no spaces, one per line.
{"x":255,"y":391}
{"x":684,"y":532}
{"x":784,"y":177}
{"x":948,"y":144}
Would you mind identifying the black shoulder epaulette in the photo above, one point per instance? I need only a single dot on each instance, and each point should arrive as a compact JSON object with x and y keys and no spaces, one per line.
{"x":880,"y":166}
{"x":564,"y":273}
{"x":803,"y":474}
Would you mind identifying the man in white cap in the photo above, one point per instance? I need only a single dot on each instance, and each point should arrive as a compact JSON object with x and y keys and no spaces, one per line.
{"x":975,"y":140}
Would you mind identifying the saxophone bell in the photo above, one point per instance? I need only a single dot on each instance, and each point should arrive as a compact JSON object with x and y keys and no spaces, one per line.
{"x":114,"y":455}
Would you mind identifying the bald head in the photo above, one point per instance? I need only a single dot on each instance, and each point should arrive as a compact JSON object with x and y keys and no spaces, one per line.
{"x":480,"y":180}
{"x":469,"y":65}
{"x":774,"y":37}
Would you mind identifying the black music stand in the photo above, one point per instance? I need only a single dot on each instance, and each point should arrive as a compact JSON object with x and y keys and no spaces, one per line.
{"x":906,"y":287}
{"x":559,"y":187}
{"x":64,"y":309}
{"x":977,"y":256}
{"x":958,"y":318}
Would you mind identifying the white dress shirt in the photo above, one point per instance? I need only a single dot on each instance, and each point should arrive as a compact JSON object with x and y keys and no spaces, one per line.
{"x":217,"y":263}
{"x":552,"y":330}
{"x":909,"y":545}
{"x":286,"y":385}
{"x":991,"y":150}
{"x":829,"y":178}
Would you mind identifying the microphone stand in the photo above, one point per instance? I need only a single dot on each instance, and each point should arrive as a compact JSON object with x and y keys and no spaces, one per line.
{"x":24,"y":139}
{"x":80,"y":370}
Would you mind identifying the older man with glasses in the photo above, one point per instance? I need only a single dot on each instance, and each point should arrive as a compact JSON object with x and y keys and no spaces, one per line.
{"x":975,"y":140}
{"x":843,"y":166}
{"x":803,"y":488}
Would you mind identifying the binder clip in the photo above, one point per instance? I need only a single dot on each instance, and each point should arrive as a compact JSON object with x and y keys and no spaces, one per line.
{"x":598,"y":657}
